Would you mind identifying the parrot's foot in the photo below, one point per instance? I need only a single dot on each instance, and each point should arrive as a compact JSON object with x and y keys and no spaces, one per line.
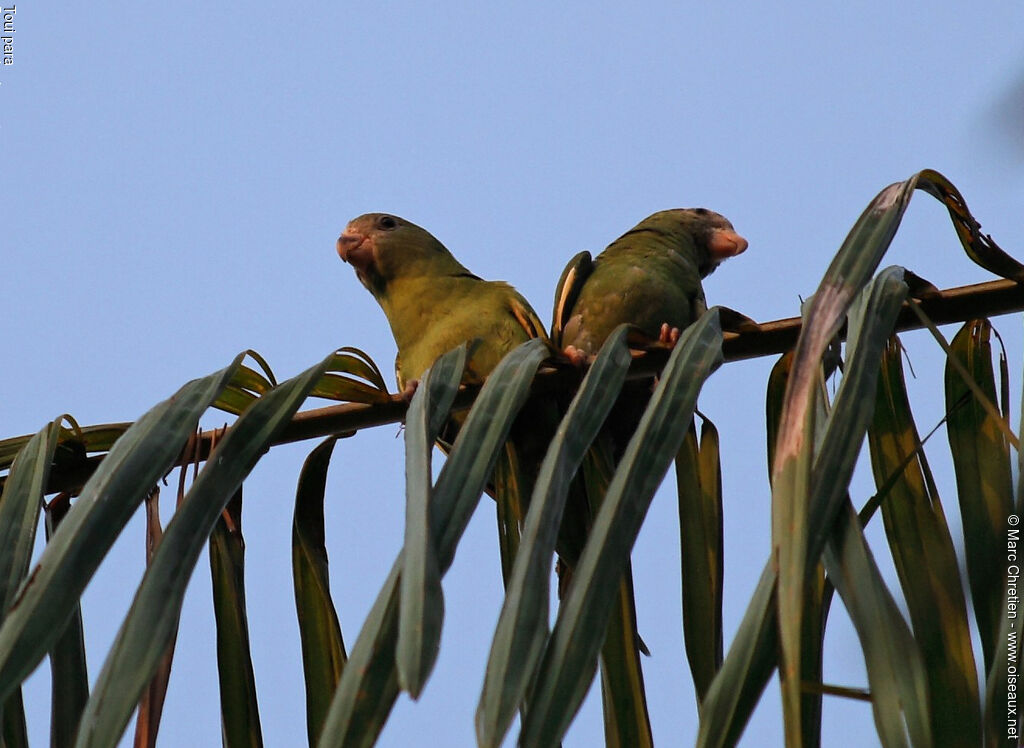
{"x":575,"y":355}
{"x":410,"y":389}
{"x":668,"y":335}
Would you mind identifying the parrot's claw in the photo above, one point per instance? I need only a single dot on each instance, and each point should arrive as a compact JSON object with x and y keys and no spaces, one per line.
{"x":668,"y":335}
{"x":410,"y":390}
{"x":575,"y":355}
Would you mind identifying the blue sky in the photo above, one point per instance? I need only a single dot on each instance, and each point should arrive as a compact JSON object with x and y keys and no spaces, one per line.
{"x":173,"y":178}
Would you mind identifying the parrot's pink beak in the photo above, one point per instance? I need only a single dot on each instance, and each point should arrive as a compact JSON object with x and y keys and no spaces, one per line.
{"x":725,"y":243}
{"x":356,"y":250}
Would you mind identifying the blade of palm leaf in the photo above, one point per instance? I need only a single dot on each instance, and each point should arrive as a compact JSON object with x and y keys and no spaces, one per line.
{"x":816,"y":601}
{"x":791,"y":489}
{"x":813,"y":614}
{"x":895,"y":669}
{"x":624,"y":698}
{"x":981,"y":462}
{"x":10,"y":447}
{"x":813,"y":643}
{"x":893,"y":662}
{"x":699,"y":488}
{"x":365,"y":367}
{"x":812,"y":623}
{"x":522,"y":624}
{"x":774,"y":396}
{"x":69,"y":675}
{"x":870,"y":322}
{"x":711,"y":485}
{"x":464,"y":474}
{"x":872,"y":318}
{"x":368,"y":687}
{"x":359,"y":367}
{"x":1004,"y":380}
{"x":20,"y":505}
{"x":864,"y":516}
{"x":354,"y":719}
{"x":14,"y":729}
{"x":101,"y":438}
{"x":849,"y":271}
{"x":246,"y":385}
{"x":234,"y":401}
{"x":422,"y":600}
{"x":855,"y":261}
{"x":251,"y":380}
{"x":153,"y":615}
{"x":980,"y":248}
{"x":335,"y":387}
{"x":752,"y":655}
{"x":269,"y":381}
{"x":135,"y":463}
{"x":69,"y":439}
{"x":509,"y":482}
{"x":983,"y":400}
{"x":571,"y":656}
{"x":239,"y":709}
{"x":323,"y":650}
{"x":925,"y":561}
{"x":694,"y":575}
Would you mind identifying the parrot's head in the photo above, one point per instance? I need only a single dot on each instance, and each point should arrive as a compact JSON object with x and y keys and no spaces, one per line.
{"x":699,"y":232}
{"x":382,"y":247}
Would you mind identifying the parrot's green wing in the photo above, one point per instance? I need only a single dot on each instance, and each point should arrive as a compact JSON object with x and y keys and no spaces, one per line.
{"x":527,"y":318}
{"x":568,"y":291}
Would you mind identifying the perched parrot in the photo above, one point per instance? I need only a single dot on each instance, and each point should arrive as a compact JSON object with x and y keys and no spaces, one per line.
{"x":650,"y":277}
{"x":432,"y":302}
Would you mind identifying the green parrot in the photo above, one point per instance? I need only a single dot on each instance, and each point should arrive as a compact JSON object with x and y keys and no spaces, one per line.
{"x":649,"y":277}
{"x":432,"y":302}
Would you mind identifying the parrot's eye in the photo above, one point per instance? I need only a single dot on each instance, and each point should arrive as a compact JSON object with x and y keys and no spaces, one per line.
{"x":387,"y":222}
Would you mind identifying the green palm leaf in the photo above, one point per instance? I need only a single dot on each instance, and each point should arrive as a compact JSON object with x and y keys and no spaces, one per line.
{"x":981,"y":460}
{"x":571,"y":655}
{"x":136,"y":461}
{"x":523,"y":623}
{"x":355,"y":718}
{"x":323,"y":650}
{"x":153,"y":616}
